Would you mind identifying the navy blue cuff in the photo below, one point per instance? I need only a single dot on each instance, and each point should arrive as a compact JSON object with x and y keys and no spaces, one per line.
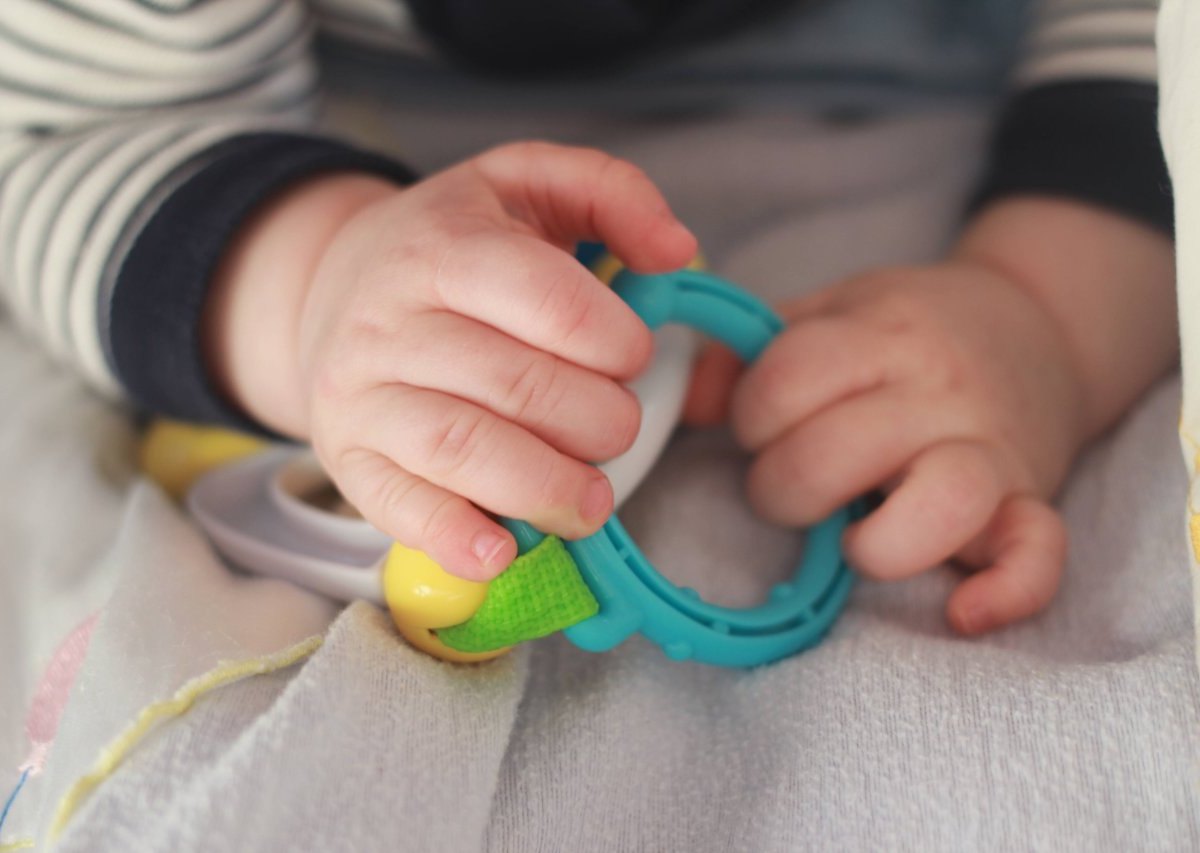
{"x":151,"y":325}
{"x":1094,"y":141}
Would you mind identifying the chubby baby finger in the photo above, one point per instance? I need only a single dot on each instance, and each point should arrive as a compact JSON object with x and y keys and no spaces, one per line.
{"x":498,"y":465}
{"x":946,"y":497}
{"x":457,"y":535}
{"x":577,"y":411}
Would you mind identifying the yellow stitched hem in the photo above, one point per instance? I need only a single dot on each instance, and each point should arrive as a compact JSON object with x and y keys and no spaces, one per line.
{"x":1193,"y":512}
{"x":19,"y":844}
{"x":1186,"y":435}
{"x":1194,"y":534}
{"x":222,"y":675}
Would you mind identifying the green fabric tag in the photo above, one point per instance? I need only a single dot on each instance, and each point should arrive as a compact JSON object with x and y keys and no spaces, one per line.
{"x":540,"y":593}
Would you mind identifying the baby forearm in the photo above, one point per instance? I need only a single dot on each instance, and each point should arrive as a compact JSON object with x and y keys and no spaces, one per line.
{"x":1106,"y":281}
{"x":253,"y":305}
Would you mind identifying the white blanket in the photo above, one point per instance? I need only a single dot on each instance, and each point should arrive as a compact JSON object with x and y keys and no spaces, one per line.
{"x":1076,"y":731}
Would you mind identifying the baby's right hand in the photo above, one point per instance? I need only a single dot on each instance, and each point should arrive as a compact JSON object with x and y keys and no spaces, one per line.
{"x":453,"y":357}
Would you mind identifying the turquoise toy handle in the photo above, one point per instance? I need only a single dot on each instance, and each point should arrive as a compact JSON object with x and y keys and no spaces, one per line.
{"x":633,"y":596}
{"x":707,"y":303}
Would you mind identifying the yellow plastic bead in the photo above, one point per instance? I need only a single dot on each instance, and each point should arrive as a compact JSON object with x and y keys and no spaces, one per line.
{"x":607,"y":266}
{"x":176,"y":454}
{"x":422,"y":597}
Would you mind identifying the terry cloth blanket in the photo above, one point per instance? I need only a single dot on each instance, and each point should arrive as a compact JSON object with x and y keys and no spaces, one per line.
{"x":218,"y":712}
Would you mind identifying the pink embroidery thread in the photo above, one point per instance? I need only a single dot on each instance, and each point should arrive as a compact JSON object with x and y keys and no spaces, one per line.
{"x":49,"y":700}
{"x":50,"y":697}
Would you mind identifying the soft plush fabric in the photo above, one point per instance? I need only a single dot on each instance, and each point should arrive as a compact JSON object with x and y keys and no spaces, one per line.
{"x":1179,"y":125}
{"x":1076,"y":731}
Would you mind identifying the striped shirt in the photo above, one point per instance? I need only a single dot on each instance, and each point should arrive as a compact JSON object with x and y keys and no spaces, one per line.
{"x":136,"y":134}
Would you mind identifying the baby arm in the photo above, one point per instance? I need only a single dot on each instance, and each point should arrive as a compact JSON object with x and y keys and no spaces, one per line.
{"x":963,"y":390}
{"x":440,"y":346}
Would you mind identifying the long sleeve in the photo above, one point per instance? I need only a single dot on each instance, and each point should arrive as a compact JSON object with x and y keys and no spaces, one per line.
{"x":135,"y":135}
{"x":1082,"y":122}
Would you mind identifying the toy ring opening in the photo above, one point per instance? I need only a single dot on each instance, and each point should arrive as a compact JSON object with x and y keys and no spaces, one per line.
{"x":633,"y":596}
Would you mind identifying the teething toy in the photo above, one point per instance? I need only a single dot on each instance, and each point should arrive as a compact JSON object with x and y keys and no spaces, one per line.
{"x":423,"y":597}
{"x":632,"y":597}
{"x":599,"y":590}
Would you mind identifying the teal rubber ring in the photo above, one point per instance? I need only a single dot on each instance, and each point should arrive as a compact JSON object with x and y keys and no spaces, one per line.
{"x":633,"y":596}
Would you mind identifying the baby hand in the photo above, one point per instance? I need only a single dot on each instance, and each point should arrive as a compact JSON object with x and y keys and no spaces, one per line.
{"x":946,"y":387}
{"x":452,"y":359}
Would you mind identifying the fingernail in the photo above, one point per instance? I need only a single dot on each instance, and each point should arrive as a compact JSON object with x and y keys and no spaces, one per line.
{"x":667,"y":217}
{"x":683,"y":228}
{"x":487,"y":547}
{"x":596,"y":500}
{"x":972,"y":618}
{"x":686,"y":232}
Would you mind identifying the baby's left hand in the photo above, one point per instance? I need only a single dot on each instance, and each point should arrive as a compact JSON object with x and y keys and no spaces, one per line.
{"x":946,"y":387}
{"x":962,"y":390}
